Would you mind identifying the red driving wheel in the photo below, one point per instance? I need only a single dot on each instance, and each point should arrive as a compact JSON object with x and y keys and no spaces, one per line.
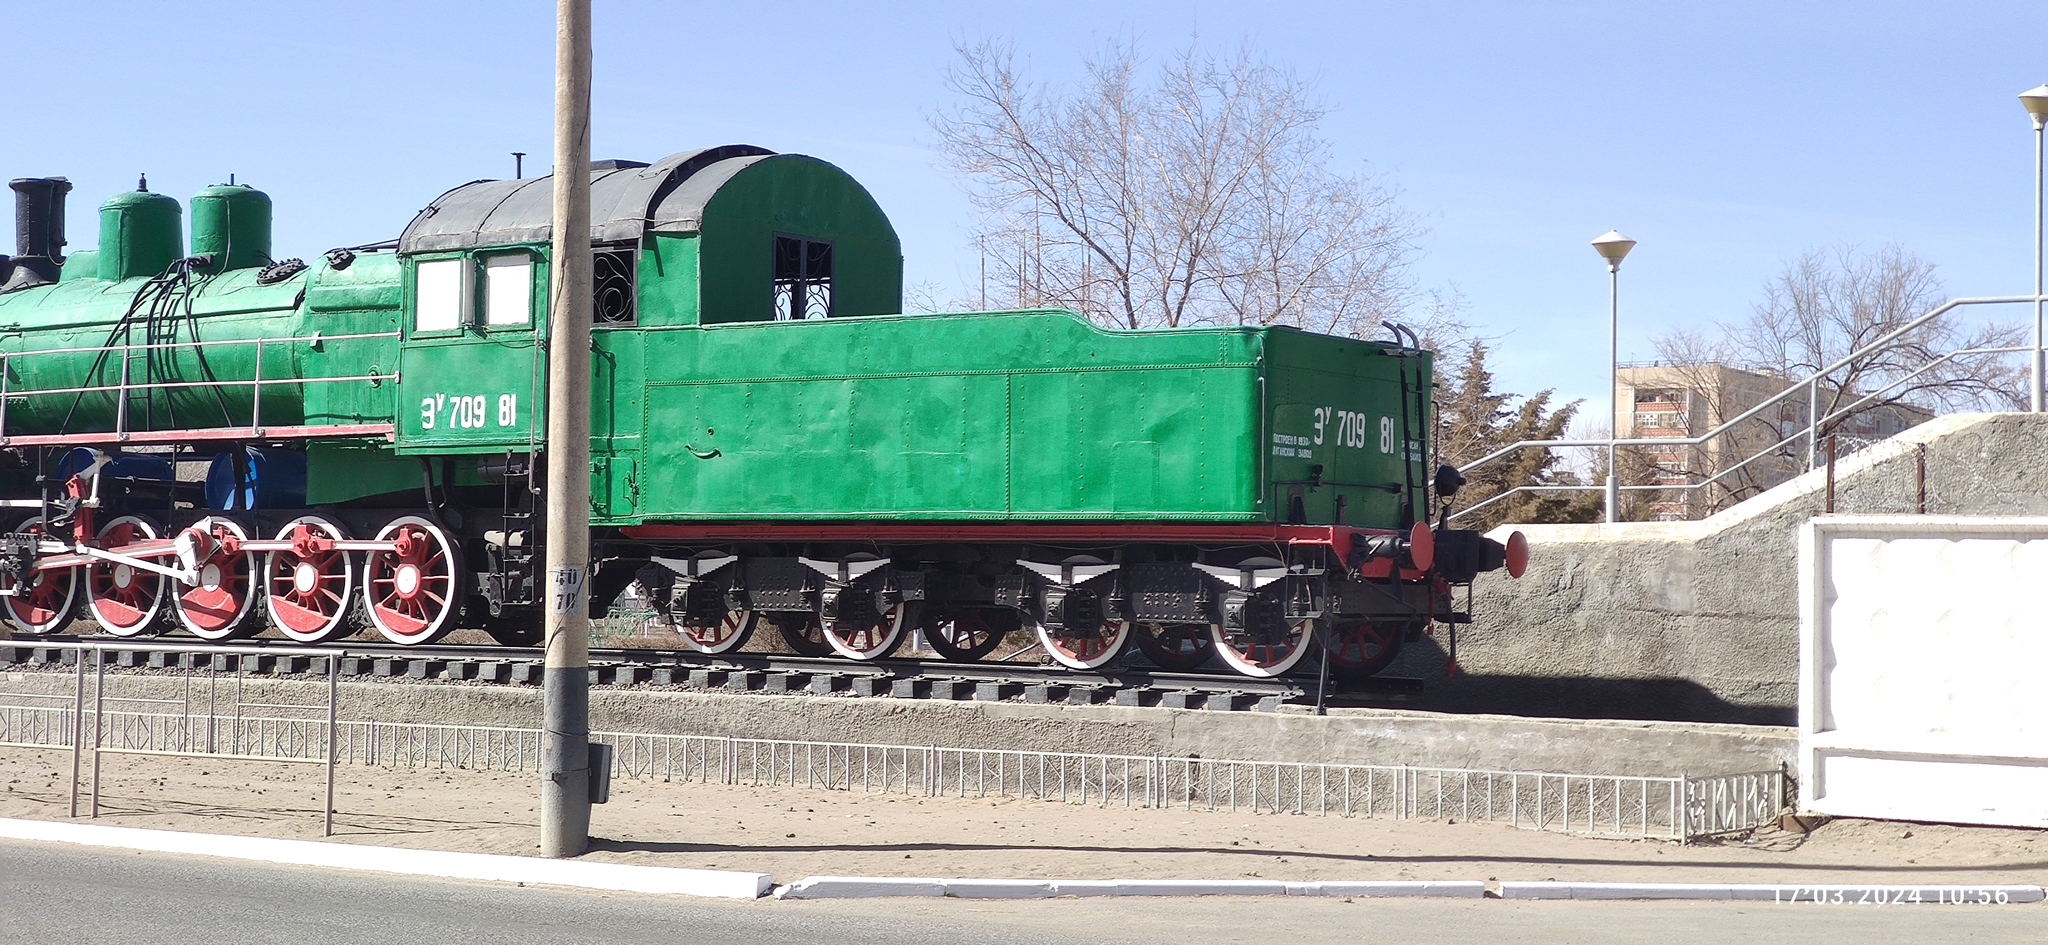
{"x":217,"y":605}
{"x":412,"y":589}
{"x":310,"y":586}
{"x":44,"y":603}
{"x":125,"y":600}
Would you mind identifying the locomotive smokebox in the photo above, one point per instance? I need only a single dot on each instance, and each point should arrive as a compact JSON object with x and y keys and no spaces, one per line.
{"x":38,"y":230}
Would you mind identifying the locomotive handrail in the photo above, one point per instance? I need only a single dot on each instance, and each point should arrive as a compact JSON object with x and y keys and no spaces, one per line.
{"x":1810,"y":384}
{"x":255,"y":383}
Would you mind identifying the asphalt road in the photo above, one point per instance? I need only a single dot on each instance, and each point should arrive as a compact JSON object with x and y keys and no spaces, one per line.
{"x":53,"y":893}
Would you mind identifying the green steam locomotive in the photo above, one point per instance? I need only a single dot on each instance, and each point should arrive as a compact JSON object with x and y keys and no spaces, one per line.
{"x":220,"y":442}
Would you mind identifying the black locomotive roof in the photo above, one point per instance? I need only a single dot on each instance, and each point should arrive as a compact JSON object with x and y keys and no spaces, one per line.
{"x":626,"y":200}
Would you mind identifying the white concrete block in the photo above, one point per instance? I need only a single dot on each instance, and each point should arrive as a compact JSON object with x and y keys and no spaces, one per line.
{"x":1000,"y":889}
{"x":1832,"y":893}
{"x":861,"y":887}
{"x":1435,"y":890}
{"x":1200,"y":887}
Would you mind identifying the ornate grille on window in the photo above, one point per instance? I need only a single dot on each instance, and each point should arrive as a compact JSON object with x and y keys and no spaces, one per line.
{"x":611,"y":287}
{"x":803,"y":278}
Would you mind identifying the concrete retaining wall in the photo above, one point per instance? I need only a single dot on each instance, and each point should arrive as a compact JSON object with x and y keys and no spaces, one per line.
{"x":1346,"y":736}
{"x":1699,"y":620}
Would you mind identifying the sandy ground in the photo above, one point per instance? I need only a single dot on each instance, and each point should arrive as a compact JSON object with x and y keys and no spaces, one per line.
{"x":791,"y":833}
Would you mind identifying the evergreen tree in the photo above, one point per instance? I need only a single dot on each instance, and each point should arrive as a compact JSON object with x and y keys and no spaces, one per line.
{"x":1474,"y":420}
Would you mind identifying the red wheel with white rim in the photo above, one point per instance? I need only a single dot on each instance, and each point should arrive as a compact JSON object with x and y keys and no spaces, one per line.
{"x":1085,"y":649}
{"x":125,"y":600}
{"x":804,"y":633}
{"x":413,"y":589}
{"x":870,"y":640}
{"x":728,"y":634}
{"x":1364,"y":648}
{"x":1176,"y":647}
{"x":43,"y":603}
{"x":218,"y":606}
{"x":1267,"y":651}
{"x":965,"y":637}
{"x":310,"y":587}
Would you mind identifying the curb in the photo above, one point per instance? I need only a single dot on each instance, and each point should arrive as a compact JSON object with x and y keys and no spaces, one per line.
{"x":489,"y":867}
{"x":866,"y":887}
{"x":1819,"y":893}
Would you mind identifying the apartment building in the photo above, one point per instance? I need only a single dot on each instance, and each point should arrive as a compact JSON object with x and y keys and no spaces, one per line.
{"x":1680,"y":401}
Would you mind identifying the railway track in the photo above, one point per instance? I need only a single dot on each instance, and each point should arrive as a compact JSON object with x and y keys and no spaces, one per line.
{"x":748,"y":672}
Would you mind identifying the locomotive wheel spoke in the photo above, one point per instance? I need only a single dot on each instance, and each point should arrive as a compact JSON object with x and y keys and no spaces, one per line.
{"x":1264,"y":654}
{"x":1085,"y":649}
{"x":729,"y":633}
{"x":868,"y":641}
{"x":309,"y":595}
{"x":1176,"y":647}
{"x":44,"y":604}
{"x":965,"y":637}
{"x":125,"y":600}
{"x":805,"y":634}
{"x":1364,"y":648}
{"x":218,"y":607}
{"x":410,"y":590}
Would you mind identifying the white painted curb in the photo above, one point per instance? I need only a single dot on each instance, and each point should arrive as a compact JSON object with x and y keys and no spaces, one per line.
{"x":1821,"y":893}
{"x":866,"y":887}
{"x":660,"y":880}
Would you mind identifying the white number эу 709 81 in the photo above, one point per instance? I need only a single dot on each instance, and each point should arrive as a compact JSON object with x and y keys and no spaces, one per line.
{"x":466,"y":412}
{"x":1351,"y":429}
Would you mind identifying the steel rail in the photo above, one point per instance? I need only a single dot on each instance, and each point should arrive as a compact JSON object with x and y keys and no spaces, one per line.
{"x":906,"y":678}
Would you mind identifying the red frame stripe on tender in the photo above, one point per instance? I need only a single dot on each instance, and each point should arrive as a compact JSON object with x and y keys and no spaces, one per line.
{"x":1335,"y":537}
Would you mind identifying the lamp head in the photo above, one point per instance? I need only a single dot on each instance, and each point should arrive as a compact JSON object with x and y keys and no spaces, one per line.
{"x":2036,"y":101}
{"x":1613,"y":247}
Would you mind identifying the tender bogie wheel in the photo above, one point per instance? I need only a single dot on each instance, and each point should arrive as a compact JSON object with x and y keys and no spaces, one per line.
{"x":726,"y":635}
{"x":43,"y":604}
{"x":125,"y":600}
{"x":413,"y":590}
{"x":1085,"y":649}
{"x":965,"y":636}
{"x":218,"y":606}
{"x":1264,"y":654}
{"x":804,"y":633}
{"x":869,"y":640}
{"x":1176,"y":647}
{"x":310,"y":589}
{"x":1363,"y":648}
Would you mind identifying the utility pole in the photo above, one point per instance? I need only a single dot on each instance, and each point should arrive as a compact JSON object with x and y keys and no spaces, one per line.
{"x":565,"y":751}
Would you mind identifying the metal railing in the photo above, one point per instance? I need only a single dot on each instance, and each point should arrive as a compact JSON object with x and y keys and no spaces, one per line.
{"x":1677,"y":808}
{"x":126,"y":386}
{"x":1815,"y":421}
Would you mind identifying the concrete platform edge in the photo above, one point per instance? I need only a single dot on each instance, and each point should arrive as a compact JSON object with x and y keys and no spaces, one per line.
{"x":488,"y":867}
{"x":871,"y":887}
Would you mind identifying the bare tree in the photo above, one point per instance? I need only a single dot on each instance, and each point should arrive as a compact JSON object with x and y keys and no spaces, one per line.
{"x":1198,"y":195}
{"x":1824,"y":307}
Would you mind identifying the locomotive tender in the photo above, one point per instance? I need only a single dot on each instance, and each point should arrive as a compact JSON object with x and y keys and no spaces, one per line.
{"x":771,"y":444}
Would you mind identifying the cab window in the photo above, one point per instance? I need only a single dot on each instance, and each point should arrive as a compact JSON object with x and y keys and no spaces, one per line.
{"x":508,"y":290}
{"x":441,"y":294}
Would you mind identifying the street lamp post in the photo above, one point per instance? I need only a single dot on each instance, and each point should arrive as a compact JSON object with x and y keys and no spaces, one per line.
{"x":1613,"y":247}
{"x":2036,"y":102}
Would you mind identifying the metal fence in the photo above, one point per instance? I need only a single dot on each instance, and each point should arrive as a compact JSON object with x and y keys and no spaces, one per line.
{"x":1677,"y":808}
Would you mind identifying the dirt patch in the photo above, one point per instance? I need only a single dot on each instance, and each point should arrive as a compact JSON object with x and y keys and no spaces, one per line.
{"x":794,"y":832}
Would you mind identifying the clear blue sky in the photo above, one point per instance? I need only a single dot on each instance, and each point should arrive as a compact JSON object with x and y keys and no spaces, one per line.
{"x":1725,"y":137}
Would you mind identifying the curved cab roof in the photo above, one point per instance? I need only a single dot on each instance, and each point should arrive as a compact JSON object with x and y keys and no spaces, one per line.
{"x":627,"y":200}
